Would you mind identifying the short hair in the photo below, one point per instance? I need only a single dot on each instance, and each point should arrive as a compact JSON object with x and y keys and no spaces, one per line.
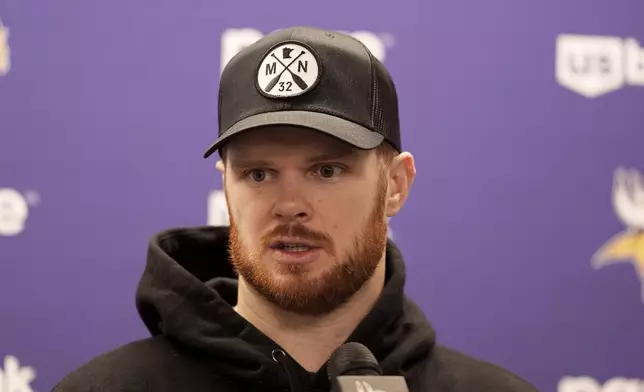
{"x":385,"y":153}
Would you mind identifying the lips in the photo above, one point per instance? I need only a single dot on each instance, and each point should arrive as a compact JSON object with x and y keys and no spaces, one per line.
{"x":294,"y":245}
{"x":293,"y":250}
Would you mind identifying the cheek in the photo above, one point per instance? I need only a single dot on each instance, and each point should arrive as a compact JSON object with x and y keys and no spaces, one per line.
{"x":345,"y":214}
{"x":246,"y":210}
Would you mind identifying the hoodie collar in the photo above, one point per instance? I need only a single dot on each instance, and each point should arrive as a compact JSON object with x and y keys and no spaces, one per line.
{"x":188,"y":289}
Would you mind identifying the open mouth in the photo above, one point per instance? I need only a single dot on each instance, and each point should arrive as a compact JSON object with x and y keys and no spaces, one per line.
{"x":293,"y":246}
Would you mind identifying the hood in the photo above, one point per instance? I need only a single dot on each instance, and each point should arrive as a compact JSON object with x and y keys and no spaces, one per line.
{"x":188,"y":290}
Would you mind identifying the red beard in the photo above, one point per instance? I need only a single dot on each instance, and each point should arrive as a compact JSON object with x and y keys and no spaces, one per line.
{"x":321,"y":294}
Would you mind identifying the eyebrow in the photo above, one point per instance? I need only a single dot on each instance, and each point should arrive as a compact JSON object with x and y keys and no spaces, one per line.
{"x":349,"y":154}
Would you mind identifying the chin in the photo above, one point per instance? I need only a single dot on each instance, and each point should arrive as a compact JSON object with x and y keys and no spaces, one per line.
{"x":307,"y":271}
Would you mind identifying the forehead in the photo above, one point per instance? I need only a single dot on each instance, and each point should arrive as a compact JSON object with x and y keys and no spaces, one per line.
{"x":288,"y":141}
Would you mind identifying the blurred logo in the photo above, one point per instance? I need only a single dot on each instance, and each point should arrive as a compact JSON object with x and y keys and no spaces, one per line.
{"x":589,"y":384}
{"x":5,"y":52}
{"x":14,"y":210}
{"x":628,"y":245}
{"x":596,"y":65}
{"x":16,"y":378}
{"x":234,"y":40}
{"x":364,"y":386}
{"x":217,"y":210}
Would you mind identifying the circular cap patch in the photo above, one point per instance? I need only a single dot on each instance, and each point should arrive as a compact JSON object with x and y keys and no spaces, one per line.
{"x":288,"y":70}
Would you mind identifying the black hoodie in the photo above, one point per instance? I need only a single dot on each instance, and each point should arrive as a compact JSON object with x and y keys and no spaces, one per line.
{"x":199,"y":343}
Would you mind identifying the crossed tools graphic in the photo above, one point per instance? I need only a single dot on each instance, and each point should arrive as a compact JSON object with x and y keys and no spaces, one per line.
{"x":298,"y":80}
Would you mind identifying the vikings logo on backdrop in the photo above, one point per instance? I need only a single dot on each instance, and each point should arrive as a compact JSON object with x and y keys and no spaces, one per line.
{"x":628,"y":245}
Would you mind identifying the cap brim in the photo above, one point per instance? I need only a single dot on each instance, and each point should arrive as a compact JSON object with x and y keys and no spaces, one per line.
{"x":347,"y":131}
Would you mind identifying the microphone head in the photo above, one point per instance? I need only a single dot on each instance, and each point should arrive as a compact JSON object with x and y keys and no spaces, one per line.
{"x":352,"y":359}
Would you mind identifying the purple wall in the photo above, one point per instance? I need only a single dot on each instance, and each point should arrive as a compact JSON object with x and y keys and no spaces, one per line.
{"x":521,"y":233}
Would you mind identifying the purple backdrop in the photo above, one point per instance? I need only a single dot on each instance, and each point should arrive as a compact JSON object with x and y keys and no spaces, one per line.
{"x":521,"y":232}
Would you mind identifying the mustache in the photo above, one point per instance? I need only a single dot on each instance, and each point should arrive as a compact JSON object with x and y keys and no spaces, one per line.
{"x":297,"y":230}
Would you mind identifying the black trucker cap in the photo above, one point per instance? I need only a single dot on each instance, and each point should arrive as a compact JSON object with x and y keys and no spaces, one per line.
{"x":313,"y":78}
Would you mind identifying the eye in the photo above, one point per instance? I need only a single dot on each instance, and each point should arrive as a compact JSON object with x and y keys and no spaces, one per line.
{"x":257,"y":175}
{"x":327,"y":171}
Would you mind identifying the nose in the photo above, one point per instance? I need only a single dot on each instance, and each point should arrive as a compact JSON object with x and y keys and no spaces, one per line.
{"x":292,"y":205}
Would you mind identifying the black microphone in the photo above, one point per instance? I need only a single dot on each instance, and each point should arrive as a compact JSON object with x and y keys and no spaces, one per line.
{"x":353,"y":368}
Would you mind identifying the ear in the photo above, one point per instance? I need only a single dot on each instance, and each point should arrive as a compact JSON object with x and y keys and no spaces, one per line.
{"x":402,"y":173}
{"x":222,"y":168}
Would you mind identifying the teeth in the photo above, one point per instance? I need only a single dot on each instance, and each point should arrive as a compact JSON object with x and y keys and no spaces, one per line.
{"x":295,"y":248}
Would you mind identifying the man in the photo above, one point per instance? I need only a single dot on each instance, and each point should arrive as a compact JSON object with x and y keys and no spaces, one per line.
{"x":312,"y":166}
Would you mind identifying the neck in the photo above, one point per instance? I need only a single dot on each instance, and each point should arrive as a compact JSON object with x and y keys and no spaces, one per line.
{"x":310,"y":340}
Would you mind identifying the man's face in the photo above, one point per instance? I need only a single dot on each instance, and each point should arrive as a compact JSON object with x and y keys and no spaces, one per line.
{"x":307,"y":216}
